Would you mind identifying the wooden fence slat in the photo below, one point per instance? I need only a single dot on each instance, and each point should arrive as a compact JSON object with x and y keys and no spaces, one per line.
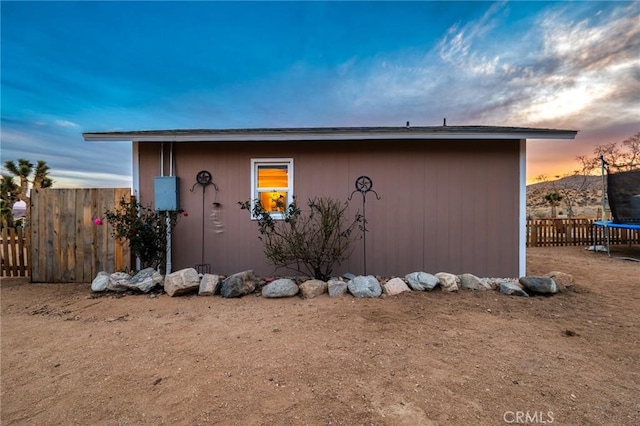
{"x":61,"y":264}
{"x":14,"y":254}
{"x":122,"y":255}
{"x":72,"y":245}
{"x":95,"y":233}
{"x":109,"y":258}
{"x":87,"y":235}
{"x":51,"y":235}
{"x":118,"y":260}
{"x":102,"y":242}
{"x":34,"y":232}
{"x":22,"y":253}
{"x":6,"y":264}
{"x":78,"y":274}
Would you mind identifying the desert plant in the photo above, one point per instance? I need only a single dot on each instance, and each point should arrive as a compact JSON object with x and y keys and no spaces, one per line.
{"x":144,"y":228}
{"x":553,"y":198}
{"x":310,"y":242}
{"x":12,"y":192}
{"x":8,"y":198}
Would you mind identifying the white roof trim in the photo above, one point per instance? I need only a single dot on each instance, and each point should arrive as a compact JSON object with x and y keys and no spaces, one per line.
{"x":249,"y":136}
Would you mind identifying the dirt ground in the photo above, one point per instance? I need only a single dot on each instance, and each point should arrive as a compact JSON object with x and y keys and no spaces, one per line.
{"x":473,"y":358}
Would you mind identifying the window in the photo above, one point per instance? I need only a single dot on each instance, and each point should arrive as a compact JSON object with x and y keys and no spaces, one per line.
{"x":272,"y":184}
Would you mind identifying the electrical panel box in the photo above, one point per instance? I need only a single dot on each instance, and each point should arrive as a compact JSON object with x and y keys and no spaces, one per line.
{"x":166,"y":193}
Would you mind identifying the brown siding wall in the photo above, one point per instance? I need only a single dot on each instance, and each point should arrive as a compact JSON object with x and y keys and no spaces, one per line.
{"x":446,"y":205}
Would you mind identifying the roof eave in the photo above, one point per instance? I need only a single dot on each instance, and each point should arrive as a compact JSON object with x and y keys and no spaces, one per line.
{"x":323,"y":136}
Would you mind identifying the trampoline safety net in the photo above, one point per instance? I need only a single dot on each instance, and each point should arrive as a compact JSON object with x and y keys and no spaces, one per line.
{"x":623,"y":191}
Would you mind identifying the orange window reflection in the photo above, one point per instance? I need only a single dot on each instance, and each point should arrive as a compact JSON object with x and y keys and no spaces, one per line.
{"x":274,"y":178}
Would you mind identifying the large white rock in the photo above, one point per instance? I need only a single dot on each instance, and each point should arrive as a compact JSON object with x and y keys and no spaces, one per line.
{"x":421,"y":281}
{"x":364,"y":286}
{"x":448,"y":282}
{"x":145,"y":280}
{"x":100,"y":282}
{"x":313,"y":288}
{"x":336,"y":287}
{"x":471,"y":282}
{"x":239,"y":284}
{"x":284,"y":287}
{"x":180,"y":282}
{"x":209,"y":285}
{"x":395,"y":286}
{"x":119,"y":281}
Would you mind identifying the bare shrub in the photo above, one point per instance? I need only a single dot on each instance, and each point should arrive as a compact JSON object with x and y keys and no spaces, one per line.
{"x":310,"y":242}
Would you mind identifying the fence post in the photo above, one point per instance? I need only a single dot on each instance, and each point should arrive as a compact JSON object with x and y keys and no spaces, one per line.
{"x":534,"y":233}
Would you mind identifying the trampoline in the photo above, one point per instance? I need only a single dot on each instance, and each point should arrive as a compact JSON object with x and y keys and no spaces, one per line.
{"x":610,"y":224}
{"x":622,"y":194}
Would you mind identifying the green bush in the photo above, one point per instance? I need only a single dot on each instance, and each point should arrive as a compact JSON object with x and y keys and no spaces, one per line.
{"x":144,"y":228}
{"x":312,"y":242}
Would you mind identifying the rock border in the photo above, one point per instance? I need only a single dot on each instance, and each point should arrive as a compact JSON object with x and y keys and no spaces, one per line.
{"x":189,"y":281}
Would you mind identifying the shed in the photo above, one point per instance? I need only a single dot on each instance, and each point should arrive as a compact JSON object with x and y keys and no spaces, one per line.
{"x":452,"y":198}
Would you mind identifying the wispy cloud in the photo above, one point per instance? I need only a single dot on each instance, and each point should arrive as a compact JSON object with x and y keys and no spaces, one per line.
{"x":66,"y":123}
{"x":592,"y":43}
{"x":73,"y":162}
{"x":595,"y":69}
{"x":560,"y":71}
{"x":64,"y":178}
{"x":458,"y":46}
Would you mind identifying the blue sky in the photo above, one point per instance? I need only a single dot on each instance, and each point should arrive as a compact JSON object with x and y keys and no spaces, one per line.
{"x":72,"y":67}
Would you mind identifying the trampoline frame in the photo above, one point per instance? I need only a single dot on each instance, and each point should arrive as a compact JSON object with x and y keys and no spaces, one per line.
{"x":606,"y":224}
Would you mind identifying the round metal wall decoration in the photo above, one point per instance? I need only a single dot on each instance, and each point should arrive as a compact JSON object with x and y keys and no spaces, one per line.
{"x":203,"y":177}
{"x":364,"y":184}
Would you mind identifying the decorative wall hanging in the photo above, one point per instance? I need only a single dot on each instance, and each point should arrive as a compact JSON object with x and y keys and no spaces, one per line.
{"x":364,"y":185}
{"x":204,"y":179}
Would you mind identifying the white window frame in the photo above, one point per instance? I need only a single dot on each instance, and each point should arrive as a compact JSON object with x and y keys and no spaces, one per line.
{"x":255,"y":192}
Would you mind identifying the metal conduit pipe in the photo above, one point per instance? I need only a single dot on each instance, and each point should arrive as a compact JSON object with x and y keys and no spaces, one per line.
{"x":168,"y":264}
{"x":162,"y":159}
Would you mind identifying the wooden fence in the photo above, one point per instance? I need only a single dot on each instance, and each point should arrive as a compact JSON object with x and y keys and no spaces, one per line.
{"x":15,"y":253}
{"x":574,"y":232}
{"x":65,"y":244}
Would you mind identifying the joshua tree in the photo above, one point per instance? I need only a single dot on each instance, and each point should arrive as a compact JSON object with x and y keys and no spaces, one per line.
{"x":553,"y":198}
{"x":22,"y":169}
{"x":8,"y":197}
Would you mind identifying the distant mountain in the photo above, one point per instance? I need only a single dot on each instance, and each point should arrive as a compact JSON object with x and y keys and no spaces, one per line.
{"x":569,"y":181}
{"x":583,"y":191}
{"x":19,"y":211}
